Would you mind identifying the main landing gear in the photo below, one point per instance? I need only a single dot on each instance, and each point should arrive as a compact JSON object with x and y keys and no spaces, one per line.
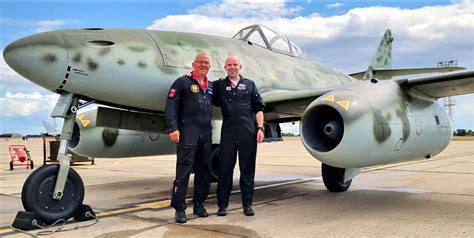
{"x":333,"y":178}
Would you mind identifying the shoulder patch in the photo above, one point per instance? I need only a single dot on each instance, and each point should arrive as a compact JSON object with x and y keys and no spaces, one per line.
{"x":172,"y":92}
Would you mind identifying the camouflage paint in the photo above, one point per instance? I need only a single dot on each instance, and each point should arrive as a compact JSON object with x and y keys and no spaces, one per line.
{"x":134,"y":68}
{"x":109,"y":136}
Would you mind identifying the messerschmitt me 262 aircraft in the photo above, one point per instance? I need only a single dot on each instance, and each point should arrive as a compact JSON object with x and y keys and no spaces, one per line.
{"x":347,"y":122}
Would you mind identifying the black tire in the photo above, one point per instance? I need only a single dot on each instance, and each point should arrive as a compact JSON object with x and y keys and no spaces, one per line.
{"x":333,"y":178}
{"x":37,"y":194}
{"x":214,"y":162}
{"x":11,"y":165}
{"x":31,"y":164}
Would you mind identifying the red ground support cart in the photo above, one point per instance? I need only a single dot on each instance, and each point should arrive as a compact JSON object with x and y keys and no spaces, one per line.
{"x":19,"y":155}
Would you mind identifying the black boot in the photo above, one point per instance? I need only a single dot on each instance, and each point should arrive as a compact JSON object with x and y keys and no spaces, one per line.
{"x":248,"y":211}
{"x":200,"y":210}
{"x":222,"y":211}
{"x":180,"y":217}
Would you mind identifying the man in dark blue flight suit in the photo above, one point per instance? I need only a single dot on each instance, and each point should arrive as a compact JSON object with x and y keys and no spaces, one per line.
{"x":242,"y":128}
{"x":188,"y":114}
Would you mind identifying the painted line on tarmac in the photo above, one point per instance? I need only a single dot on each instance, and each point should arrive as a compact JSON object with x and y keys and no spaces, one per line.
{"x":166,"y":203}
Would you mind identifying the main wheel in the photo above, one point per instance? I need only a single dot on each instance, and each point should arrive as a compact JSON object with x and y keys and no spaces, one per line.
{"x":333,"y":178}
{"x":214,"y":162}
{"x":37,"y":194}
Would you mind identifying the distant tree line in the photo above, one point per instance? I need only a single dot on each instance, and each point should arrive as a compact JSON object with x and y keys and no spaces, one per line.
{"x":463,"y":132}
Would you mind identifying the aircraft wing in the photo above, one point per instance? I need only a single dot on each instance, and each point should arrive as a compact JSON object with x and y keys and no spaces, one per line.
{"x":389,"y":73}
{"x":291,"y":104}
{"x":443,"y":85}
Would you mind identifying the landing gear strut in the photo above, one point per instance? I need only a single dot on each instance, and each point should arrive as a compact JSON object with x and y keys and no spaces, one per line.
{"x":55,"y":192}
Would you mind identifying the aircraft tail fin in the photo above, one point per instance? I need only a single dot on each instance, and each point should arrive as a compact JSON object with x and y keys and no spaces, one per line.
{"x":381,"y":65}
{"x":383,"y":56}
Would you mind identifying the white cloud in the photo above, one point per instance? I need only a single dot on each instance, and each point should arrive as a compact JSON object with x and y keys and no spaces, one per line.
{"x":423,"y":36}
{"x":249,"y":8}
{"x":48,"y":25}
{"x":21,"y":104}
{"x":5,"y":71}
{"x":335,"y":5}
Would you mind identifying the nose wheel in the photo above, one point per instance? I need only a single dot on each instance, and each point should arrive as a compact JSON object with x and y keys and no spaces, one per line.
{"x":37,"y":194}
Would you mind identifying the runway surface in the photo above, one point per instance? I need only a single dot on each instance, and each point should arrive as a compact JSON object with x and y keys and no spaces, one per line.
{"x":130,"y":196}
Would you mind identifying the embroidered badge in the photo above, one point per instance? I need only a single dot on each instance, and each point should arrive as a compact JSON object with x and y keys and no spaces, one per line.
{"x":241,"y":87}
{"x":194,"y":88}
{"x":172,"y":92}
{"x":228,"y":88}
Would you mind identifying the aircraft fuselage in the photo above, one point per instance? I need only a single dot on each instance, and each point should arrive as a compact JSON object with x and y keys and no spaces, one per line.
{"x":135,"y":68}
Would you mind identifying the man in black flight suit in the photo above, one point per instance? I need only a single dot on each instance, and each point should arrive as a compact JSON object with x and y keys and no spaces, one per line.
{"x":188,"y":114}
{"x":242,"y":128}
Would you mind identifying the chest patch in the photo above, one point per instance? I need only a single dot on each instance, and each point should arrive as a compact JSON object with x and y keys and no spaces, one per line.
{"x":194,"y":88}
{"x":241,"y":87}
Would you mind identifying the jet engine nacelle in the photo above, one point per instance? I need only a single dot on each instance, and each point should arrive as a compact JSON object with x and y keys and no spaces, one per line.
{"x":373,"y":123}
{"x":93,"y":141}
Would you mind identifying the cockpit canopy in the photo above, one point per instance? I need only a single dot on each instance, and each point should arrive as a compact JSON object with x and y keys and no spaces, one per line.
{"x":269,"y":38}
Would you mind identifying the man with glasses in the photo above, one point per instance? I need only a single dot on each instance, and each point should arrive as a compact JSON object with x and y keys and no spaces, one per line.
{"x":188,"y":114}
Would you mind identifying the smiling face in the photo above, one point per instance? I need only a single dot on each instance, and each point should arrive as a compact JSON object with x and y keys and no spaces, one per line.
{"x":232,"y":66}
{"x":201,"y":65}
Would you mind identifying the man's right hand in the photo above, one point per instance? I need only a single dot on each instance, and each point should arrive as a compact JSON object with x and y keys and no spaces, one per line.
{"x":174,"y":136}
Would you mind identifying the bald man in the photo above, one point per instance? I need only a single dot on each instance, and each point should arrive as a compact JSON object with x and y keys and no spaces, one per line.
{"x":242,"y":128}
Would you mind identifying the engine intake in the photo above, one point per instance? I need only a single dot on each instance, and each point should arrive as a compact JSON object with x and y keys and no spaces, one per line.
{"x":324,"y":128}
{"x":368,"y":124}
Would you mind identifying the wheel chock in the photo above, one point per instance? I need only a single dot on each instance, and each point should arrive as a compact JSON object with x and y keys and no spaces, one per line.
{"x":27,"y":221}
{"x":84,"y":213}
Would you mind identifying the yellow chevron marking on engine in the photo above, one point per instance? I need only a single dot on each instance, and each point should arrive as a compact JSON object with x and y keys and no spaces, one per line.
{"x":80,"y":116}
{"x":329,"y":98}
{"x":85,"y":122}
{"x":344,"y":104}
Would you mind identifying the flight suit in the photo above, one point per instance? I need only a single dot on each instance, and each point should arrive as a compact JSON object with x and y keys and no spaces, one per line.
{"x":189,"y":110}
{"x":239,"y":105}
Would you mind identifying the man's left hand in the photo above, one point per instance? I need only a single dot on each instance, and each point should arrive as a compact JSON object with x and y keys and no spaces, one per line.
{"x":260,"y":136}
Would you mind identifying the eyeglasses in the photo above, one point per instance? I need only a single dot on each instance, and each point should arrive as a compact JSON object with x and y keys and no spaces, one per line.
{"x":202,"y":62}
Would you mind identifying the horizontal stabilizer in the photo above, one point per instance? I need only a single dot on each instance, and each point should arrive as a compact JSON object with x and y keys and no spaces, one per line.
{"x":389,"y":73}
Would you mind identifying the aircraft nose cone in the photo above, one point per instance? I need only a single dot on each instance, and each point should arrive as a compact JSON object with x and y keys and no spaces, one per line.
{"x":40,"y":58}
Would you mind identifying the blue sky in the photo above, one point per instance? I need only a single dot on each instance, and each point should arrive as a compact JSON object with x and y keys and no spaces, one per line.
{"x":341,"y":34}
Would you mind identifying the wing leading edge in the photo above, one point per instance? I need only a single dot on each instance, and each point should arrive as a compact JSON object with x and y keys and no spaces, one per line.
{"x":290,"y":104}
{"x":442,"y":85}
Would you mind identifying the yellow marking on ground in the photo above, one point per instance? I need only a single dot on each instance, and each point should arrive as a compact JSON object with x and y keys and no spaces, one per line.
{"x":344,"y":104}
{"x":329,"y":98}
{"x":119,"y":211}
{"x":155,"y":205}
{"x":2,"y":231}
{"x":119,"y":161}
{"x":139,"y":207}
{"x":80,"y":117}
